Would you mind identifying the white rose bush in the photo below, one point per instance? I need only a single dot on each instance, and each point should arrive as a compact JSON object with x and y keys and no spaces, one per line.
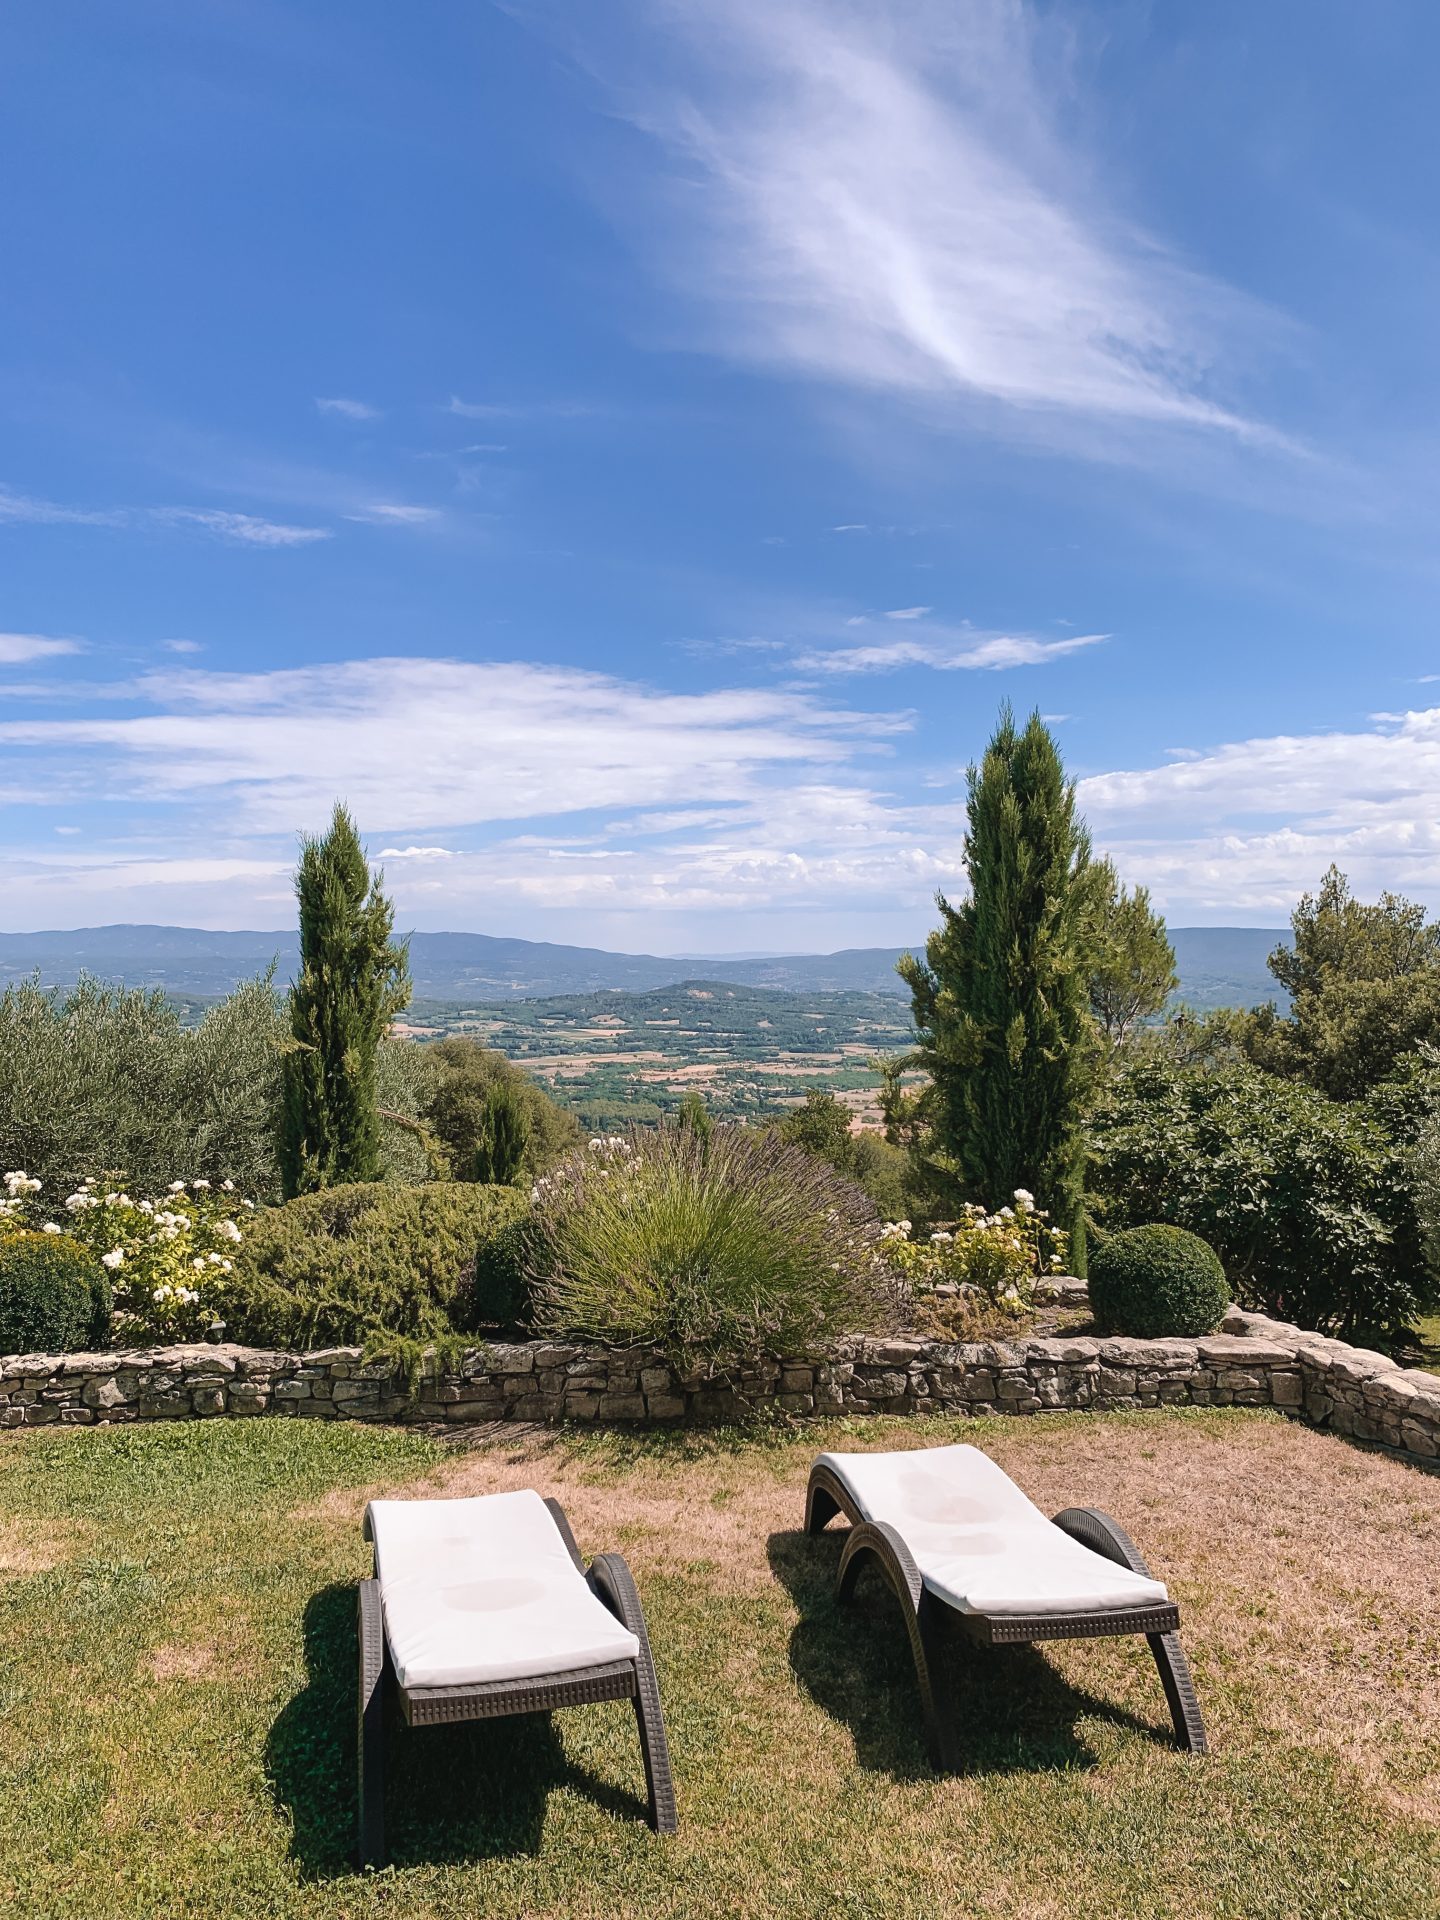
{"x":168,"y":1258}
{"x":997,"y":1255}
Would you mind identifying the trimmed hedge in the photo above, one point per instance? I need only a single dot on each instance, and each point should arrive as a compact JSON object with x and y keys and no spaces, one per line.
{"x":366,"y":1264}
{"x":1157,"y":1282}
{"x":54,"y":1295}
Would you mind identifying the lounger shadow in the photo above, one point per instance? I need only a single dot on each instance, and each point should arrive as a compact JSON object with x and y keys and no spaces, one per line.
{"x":629,"y":1675}
{"x":880,"y":1544}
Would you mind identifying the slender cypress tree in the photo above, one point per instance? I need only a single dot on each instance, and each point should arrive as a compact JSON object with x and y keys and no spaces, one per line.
{"x":1001,"y":998}
{"x":353,"y":981}
{"x":504,"y":1134}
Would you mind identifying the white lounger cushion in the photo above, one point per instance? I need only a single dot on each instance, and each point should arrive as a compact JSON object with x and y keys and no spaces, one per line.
{"x":485,"y":1589}
{"x":979,"y":1544}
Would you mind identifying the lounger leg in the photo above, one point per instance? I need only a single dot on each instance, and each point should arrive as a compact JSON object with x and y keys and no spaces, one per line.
{"x":821,"y":1506}
{"x":372,"y":1726}
{"x":922,"y":1612}
{"x":614,"y":1583}
{"x":1103,"y":1535}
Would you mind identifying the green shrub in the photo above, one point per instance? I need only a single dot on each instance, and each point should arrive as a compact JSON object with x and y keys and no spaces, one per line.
{"x":366,"y":1264}
{"x":1157,"y":1282}
{"x":1306,"y":1200}
{"x":54,"y":1295}
{"x":717,"y":1252}
{"x":498,"y":1293}
{"x":460,"y":1104}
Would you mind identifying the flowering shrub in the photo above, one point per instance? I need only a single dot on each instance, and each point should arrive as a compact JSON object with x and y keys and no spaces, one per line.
{"x":998,"y":1256}
{"x":168,"y":1259}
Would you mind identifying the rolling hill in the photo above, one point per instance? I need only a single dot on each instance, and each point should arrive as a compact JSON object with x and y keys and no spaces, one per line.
{"x":1219,"y":966}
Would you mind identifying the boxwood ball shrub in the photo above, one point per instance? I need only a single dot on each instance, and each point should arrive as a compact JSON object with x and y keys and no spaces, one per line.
{"x":54,"y":1295}
{"x":1157,"y":1282}
{"x":717,"y":1251}
{"x":367,"y":1264}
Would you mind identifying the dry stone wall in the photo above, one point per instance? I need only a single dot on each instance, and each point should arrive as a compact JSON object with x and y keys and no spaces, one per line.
{"x":1252,"y":1362}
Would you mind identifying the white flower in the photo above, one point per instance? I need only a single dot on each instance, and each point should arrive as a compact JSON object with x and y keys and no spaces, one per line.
{"x":1024,"y":1200}
{"x":227,"y":1186}
{"x":198,"y":1264}
{"x":177,"y":1186}
{"x":115,"y":1258}
{"x":941,"y":1239}
{"x":201,"y":1186}
{"x":50,"y":1226}
{"x":595,"y":1147}
{"x":228,"y":1230}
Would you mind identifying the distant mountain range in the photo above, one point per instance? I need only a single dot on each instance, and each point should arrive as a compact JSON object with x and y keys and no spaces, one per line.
{"x":1219,"y":966}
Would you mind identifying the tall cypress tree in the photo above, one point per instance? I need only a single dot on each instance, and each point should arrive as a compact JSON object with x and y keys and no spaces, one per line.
{"x":1001,"y":998}
{"x":353,"y":981}
{"x":503,"y":1137}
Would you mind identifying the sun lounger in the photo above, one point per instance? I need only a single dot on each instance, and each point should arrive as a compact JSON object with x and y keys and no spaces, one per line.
{"x":959,"y":1542}
{"x":484,"y":1607}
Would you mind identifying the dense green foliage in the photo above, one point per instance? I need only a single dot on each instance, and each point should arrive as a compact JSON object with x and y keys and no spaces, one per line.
{"x":353,"y":981}
{"x":100,"y":1079}
{"x":54,"y":1295}
{"x":504,"y":1136}
{"x":1001,"y":999}
{"x":498,"y":1294}
{"x":717,"y":1252}
{"x":1364,"y":983}
{"x":1132,"y":973}
{"x":1156,"y":1282}
{"x":821,"y":1125}
{"x":363,"y":1262}
{"x":1305,"y":1199}
{"x":467,"y":1077}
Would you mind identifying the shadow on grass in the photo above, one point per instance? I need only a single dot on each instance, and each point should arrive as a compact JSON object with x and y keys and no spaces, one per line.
{"x":1013,"y":1712}
{"x":471,"y":1791}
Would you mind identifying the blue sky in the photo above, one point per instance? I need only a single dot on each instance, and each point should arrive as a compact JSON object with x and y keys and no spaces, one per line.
{"x":630,"y":452}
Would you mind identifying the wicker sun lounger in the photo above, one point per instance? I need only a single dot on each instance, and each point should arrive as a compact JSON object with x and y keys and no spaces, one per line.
{"x":959,"y":1542}
{"x":484,"y":1607}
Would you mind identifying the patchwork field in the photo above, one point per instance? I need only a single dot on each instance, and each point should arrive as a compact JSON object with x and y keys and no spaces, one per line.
{"x":618,"y":1057}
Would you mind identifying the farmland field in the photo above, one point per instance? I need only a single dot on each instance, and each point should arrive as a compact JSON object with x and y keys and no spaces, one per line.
{"x":620,"y":1057}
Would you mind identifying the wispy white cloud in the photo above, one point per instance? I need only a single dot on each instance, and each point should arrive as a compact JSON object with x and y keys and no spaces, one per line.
{"x":397,"y":736}
{"x":881,"y":197}
{"x":517,"y":409}
{"x":31,"y":510}
{"x":246,"y":528}
{"x":18,"y":649}
{"x":947,"y":649}
{"x":181,"y":646}
{"x":349,"y":409}
{"x":386,"y":513}
{"x":907,"y":613}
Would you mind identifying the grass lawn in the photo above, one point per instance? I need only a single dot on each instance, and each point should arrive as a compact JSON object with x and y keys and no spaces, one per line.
{"x":177,"y":1688}
{"x":1429,"y":1331}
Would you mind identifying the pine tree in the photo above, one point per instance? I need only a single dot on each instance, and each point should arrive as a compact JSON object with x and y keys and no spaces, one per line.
{"x":1001,"y":999}
{"x":353,"y":981}
{"x":503,"y":1135}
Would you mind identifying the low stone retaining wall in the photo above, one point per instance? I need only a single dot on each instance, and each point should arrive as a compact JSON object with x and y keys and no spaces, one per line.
{"x":1252,"y":1362}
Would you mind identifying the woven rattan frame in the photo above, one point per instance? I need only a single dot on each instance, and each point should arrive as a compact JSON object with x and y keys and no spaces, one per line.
{"x":611,"y":1581}
{"x":883,"y":1547}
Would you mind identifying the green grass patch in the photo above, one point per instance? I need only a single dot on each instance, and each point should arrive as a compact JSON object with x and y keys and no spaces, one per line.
{"x":177,"y":1697}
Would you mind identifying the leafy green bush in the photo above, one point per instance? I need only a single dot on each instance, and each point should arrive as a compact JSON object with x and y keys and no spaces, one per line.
{"x":468,"y":1081}
{"x":821,"y":1124}
{"x":1156,"y":1282}
{"x":98,"y":1078}
{"x":365,"y":1264}
{"x":1305,"y":1199}
{"x":718,"y":1252}
{"x":54,"y":1295}
{"x":498,"y":1293}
